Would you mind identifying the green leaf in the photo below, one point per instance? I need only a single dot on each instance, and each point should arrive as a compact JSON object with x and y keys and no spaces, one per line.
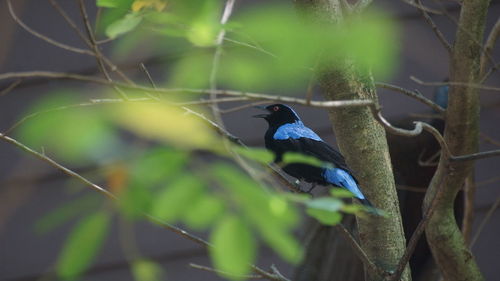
{"x":296,"y":47}
{"x":325,"y":217}
{"x":118,"y":10}
{"x":66,"y":212}
{"x":75,"y":134}
{"x":284,"y":243}
{"x":272,"y":215}
{"x":341,"y":193}
{"x":82,"y":245}
{"x":260,"y":155}
{"x":157,"y":165}
{"x":108,"y":3}
{"x":147,"y":270}
{"x":123,"y":25}
{"x":134,"y":200}
{"x":325,"y":209}
{"x":166,"y":123}
{"x":177,"y":197}
{"x":326,"y":203}
{"x":204,"y":211}
{"x":234,"y":247}
{"x":293,"y":157}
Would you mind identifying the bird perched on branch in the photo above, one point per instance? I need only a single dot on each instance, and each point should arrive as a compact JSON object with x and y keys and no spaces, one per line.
{"x":287,"y":133}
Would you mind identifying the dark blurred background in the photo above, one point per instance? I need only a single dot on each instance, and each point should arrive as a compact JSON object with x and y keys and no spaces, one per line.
{"x":29,"y":188}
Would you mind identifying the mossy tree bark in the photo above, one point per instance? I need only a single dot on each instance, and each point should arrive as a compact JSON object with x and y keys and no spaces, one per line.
{"x":461,"y":134}
{"x":363,"y":142}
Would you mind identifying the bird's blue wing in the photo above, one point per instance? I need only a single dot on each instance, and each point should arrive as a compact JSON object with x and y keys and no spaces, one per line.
{"x":295,"y":131}
{"x":343,"y":179}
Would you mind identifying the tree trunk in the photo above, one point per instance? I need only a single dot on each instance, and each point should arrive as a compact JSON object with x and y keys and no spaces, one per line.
{"x":461,"y":134}
{"x":362,"y":141}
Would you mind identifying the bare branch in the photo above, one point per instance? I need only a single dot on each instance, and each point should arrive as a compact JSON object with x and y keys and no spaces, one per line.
{"x":80,"y":34}
{"x":476,"y":156}
{"x":210,"y":269}
{"x":422,"y":7}
{"x":10,"y":87}
{"x":414,"y":94}
{"x":110,"y":195}
{"x":434,"y":27}
{"x":253,"y":96}
{"x":95,"y":48}
{"x":43,"y":37}
{"x":461,"y":84}
{"x":488,"y":47}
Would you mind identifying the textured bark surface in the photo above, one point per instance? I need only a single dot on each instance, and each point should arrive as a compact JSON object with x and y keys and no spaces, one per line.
{"x":363,"y":142}
{"x":461,"y":134}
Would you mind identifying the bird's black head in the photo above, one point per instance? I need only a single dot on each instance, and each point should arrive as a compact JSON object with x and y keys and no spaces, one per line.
{"x":278,"y":114}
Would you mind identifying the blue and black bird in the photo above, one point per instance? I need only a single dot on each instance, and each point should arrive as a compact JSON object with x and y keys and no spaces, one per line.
{"x":287,"y":133}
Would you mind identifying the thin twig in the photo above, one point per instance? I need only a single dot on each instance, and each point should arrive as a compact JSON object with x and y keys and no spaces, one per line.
{"x":414,"y":94}
{"x":237,"y":108}
{"x":80,"y":34}
{"x":110,"y":195}
{"x":95,"y":48}
{"x":10,"y":87}
{"x":421,"y":7}
{"x":476,"y":156}
{"x":254,"y":96}
{"x":484,"y":221}
{"x":43,"y":37}
{"x":360,"y":252}
{"x":269,"y":276}
{"x":488,"y":47}
{"x":434,"y":27}
{"x":462,"y":84}
{"x":210,"y":269}
{"x":488,"y":181}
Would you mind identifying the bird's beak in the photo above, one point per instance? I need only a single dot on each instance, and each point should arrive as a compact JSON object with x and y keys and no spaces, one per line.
{"x":261,"y":115}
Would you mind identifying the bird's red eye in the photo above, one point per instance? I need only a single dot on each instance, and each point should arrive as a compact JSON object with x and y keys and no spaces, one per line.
{"x":276,"y":108}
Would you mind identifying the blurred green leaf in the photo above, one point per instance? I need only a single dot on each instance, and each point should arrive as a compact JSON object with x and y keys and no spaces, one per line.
{"x":204,"y":211}
{"x":352,"y":208}
{"x":169,"y":124}
{"x":123,"y":25}
{"x":341,"y":193}
{"x":260,"y":155}
{"x":192,"y":71}
{"x":115,"y":11}
{"x":325,"y":203}
{"x":234,"y":247}
{"x":75,"y":134}
{"x":157,"y":165}
{"x":272,"y":215}
{"x":66,"y":212}
{"x":82,"y":245}
{"x":293,"y":157}
{"x":147,"y":270}
{"x":134,"y":200}
{"x":325,"y":209}
{"x":177,"y":197}
{"x":325,"y":217}
{"x":298,"y":47}
{"x":109,"y":3}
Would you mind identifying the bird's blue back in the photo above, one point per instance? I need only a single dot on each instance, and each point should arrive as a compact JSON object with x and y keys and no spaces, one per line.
{"x":295,"y":131}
